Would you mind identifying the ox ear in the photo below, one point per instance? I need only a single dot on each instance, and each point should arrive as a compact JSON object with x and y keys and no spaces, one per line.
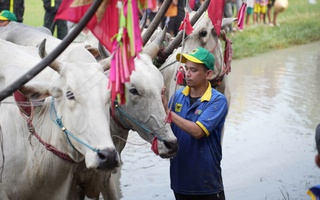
{"x":227,"y":21}
{"x":55,"y":65}
{"x":36,"y":90}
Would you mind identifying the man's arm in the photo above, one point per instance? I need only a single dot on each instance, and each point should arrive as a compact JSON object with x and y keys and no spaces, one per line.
{"x":189,"y":127}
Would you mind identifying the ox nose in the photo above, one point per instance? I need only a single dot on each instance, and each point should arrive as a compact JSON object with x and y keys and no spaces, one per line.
{"x":172,"y":146}
{"x":108,"y":159}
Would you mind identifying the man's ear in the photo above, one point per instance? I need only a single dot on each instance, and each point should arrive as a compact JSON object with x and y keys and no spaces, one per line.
{"x":209,"y":74}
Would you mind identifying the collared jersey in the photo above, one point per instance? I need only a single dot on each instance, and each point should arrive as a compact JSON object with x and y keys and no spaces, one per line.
{"x":196,"y":168}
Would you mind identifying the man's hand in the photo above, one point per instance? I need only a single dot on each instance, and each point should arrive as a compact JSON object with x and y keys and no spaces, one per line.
{"x":164,"y":99}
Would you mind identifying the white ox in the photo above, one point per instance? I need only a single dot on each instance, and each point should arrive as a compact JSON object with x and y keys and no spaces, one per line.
{"x":76,"y":95}
{"x":143,"y":112}
{"x":204,"y":36}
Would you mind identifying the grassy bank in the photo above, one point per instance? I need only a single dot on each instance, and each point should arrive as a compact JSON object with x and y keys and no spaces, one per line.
{"x":299,"y":24}
{"x":34,"y":13}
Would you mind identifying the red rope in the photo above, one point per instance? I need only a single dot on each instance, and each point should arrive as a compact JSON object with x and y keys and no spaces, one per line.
{"x":26,"y":109}
{"x":226,"y":68}
{"x":49,"y":147}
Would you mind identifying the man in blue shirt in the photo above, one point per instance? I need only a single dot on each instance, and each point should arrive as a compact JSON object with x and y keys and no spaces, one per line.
{"x":198,"y":115}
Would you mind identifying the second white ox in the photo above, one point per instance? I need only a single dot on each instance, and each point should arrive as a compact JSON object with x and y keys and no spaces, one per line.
{"x":68,"y":116}
{"x":203,"y":35}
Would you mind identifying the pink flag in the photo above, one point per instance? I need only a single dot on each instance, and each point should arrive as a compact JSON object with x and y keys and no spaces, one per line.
{"x":241,"y":15}
{"x":215,"y":11}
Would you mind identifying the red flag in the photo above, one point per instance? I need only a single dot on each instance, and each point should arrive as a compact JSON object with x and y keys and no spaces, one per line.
{"x":228,"y":53}
{"x":192,"y":4}
{"x":241,"y":15}
{"x":215,"y":11}
{"x":100,"y":24}
{"x":152,"y":4}
{"x":186,"y":25}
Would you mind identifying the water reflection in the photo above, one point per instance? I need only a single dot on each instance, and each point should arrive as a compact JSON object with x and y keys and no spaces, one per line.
{"x":269,"y":141}
{"x":268,"y":146}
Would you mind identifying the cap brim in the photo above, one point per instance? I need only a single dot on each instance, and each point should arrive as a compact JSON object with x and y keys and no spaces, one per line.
{"x":3,"y":18}
{"x":183,"y":57}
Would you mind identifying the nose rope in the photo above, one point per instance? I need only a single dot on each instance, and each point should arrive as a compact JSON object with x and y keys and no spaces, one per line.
{"x":122,"y":112}
{"x":58,"y":121}
{"x":132,"y":143}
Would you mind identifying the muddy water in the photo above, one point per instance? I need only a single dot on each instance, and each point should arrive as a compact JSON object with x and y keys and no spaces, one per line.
{"x":268,"y":146}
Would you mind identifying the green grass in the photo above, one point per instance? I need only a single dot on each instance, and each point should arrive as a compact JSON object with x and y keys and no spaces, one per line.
{"x":34,"y":13}
{"x":300,"y":24}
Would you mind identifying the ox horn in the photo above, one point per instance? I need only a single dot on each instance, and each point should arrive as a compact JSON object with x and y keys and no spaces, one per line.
{"x":156,"y":21}
{"x":143,"y":21}
{"x":104,"y":53}
{"x":153,"y":48}
{"x":106,"y":63}
{"x":178,"y":39}
{"x":55,"y":65}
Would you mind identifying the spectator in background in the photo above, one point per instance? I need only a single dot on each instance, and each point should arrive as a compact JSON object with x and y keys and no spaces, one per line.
{"x":175,"y":22}
{"x":14,"y":6}
{"x":228,"y":12}
{"x":235,"y":9}
{"x":259,"y":11}
{"x":249,"y":11}
{"x":197,"y":4}
{"x":6,"y":17}
{"x":151,"y":14}
{"x":275,"y":14}
{"x":51,"y":7}
{"x":171,"y":13}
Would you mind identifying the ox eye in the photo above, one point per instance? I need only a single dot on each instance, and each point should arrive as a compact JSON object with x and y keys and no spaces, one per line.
{"x":203,"y":33}
{"x":70,"y":95}
{"x":134,"y":91}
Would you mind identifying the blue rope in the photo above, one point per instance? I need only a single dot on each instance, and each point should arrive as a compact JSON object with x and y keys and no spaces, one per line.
{"x":58,"y":121}
{"x":136,"y":122}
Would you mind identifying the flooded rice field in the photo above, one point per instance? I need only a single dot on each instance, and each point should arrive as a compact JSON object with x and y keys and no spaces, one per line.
{"x":268,"y":145}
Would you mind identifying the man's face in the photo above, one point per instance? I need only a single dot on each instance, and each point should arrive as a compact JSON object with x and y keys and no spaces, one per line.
{"x":196,"y":74}
{"x":4,"y":23}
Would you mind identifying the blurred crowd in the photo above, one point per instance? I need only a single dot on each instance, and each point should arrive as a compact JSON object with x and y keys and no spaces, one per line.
{"x":257,"y":12}
{"x":13,"y":10}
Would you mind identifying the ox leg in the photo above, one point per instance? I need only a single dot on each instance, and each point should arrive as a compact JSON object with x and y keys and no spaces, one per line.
{"x":109,"y":191}
{"x":3,"y":194}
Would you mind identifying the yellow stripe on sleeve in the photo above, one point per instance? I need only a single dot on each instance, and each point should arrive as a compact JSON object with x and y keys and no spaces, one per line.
{"x":203,"y":128}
